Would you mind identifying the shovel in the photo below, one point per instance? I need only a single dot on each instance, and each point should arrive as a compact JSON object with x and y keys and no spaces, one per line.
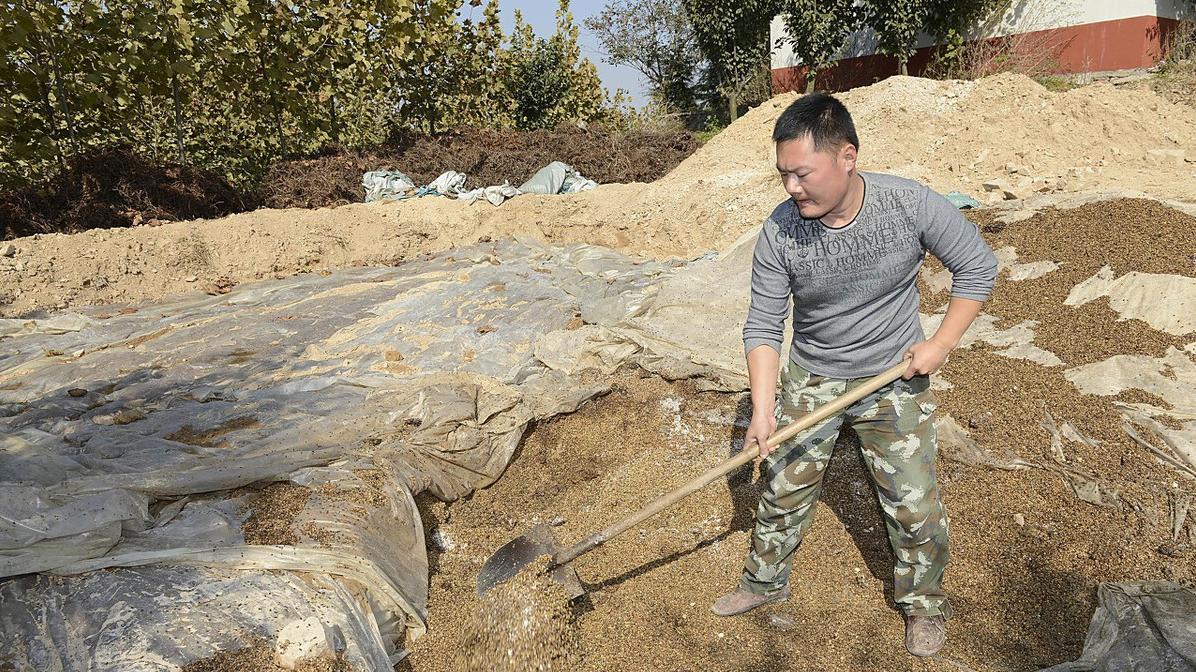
{"x":539,"y":541}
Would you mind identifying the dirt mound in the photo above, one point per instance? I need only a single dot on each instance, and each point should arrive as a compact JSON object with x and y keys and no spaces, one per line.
{"x":1005,"y":130}
{"x":487,"y":157}
{"x":958,"y":136}
{"x":114,"y":188}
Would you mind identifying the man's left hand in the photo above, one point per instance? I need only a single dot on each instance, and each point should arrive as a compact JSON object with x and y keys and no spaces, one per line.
{"x":925,"y":357}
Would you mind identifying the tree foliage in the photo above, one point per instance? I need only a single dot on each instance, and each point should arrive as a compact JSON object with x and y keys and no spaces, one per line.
{"x":818,"y":29}
{"x":656,"y":38}
{"x":898,"y":23}
{"x":733,"y":35}
{"x":233,"y":85}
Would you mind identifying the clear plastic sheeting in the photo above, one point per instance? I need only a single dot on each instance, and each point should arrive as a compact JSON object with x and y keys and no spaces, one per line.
{"x":1171,"y":378}
{"x":1165,"y":302}
{"x":689,"y":327}
{"x":143,"y":441}
{"x":1144,"y":627}
{"x":58,"y":324}
{"x":154,"y":618}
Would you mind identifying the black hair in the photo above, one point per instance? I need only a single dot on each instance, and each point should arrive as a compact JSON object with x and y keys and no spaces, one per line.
{"x":822,"y":116}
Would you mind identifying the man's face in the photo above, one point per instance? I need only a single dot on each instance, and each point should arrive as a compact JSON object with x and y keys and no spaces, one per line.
{"x":816,"y":180}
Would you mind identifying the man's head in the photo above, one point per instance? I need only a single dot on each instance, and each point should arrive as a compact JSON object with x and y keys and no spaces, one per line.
{"x":816,"y":153}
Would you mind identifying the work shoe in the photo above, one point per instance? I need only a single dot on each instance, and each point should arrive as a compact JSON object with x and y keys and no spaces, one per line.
{"x":925,"y":635}
{"x":742,"y":600}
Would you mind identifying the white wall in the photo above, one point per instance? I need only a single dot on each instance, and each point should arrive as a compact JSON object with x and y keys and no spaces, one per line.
{"x":1022,"y":17}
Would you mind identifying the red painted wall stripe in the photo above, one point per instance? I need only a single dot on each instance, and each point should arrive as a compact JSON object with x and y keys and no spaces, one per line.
{"x":1091,"y":47}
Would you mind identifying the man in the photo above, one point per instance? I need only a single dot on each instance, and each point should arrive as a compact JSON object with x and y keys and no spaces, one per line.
{"x":847,"y":247}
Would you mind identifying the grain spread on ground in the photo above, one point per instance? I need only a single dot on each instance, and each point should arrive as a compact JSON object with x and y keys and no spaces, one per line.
{"x":524,"y":624}
{"x":1024,"y":568}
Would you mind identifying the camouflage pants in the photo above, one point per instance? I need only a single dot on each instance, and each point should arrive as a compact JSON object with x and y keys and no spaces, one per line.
{"x":898,"y":444}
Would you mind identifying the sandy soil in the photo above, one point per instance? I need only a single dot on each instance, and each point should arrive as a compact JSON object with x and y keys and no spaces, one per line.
{"x":958,"y":135}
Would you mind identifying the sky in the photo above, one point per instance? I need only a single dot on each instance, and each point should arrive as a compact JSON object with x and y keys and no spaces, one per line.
{"x":542,"y":15}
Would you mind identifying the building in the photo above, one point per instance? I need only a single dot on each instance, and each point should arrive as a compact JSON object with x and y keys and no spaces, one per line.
{"x":1059,"y":36}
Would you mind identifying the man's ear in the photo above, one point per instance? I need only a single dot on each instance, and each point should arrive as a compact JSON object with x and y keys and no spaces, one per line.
{"x":847,"y":154}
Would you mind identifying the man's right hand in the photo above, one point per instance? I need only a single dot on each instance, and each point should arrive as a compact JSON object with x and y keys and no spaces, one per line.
{"x":763,"y":365}
{"x":762,"y":426}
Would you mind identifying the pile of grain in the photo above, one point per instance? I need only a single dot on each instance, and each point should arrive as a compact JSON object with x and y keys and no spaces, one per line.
{"x":521,"y":625}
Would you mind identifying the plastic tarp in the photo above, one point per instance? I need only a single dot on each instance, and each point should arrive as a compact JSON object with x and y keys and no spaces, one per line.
{"x":556,"y":178}
{"x":448,"y":183}
{"x":383,"y":184}
{"x":963,"y":201}
{"x":495,"y":195}
{"x":1165,"y":302}
{"x":690,"y":327}
{"x":1146,"y":627}
{"x":130,"y":442}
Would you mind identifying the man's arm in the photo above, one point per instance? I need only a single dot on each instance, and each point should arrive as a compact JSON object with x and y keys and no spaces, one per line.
{"x":763,"y":333}
{"x":958,"y":244}
{"x":927,"y":356}
{"x":764,"y":364}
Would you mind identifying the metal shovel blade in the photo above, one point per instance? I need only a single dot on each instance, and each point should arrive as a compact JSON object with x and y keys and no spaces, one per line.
{"x":522,"y":551}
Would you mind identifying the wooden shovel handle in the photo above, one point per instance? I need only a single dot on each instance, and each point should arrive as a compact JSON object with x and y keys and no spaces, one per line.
{"x":780,"y":436}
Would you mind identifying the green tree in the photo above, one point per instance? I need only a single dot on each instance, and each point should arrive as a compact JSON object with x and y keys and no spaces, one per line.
{"x":733,"y":35}
{"x":898,"y":22}
{"x":818,"y":29}
{"x":655,"y":38}
{"x":535,"y":77}
{"x":476,"y":95}
{"x":233,"y":85}
{"x":585,"y":99}
{"x":548,"y":79}
{"x":30,"y":119}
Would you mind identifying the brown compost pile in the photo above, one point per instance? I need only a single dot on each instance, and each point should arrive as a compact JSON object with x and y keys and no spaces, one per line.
{"x":116,"y":188}
{"x":486,"y":157}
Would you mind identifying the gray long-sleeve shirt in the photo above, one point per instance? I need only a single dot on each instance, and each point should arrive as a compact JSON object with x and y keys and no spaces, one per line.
{"x":855,"y":299}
